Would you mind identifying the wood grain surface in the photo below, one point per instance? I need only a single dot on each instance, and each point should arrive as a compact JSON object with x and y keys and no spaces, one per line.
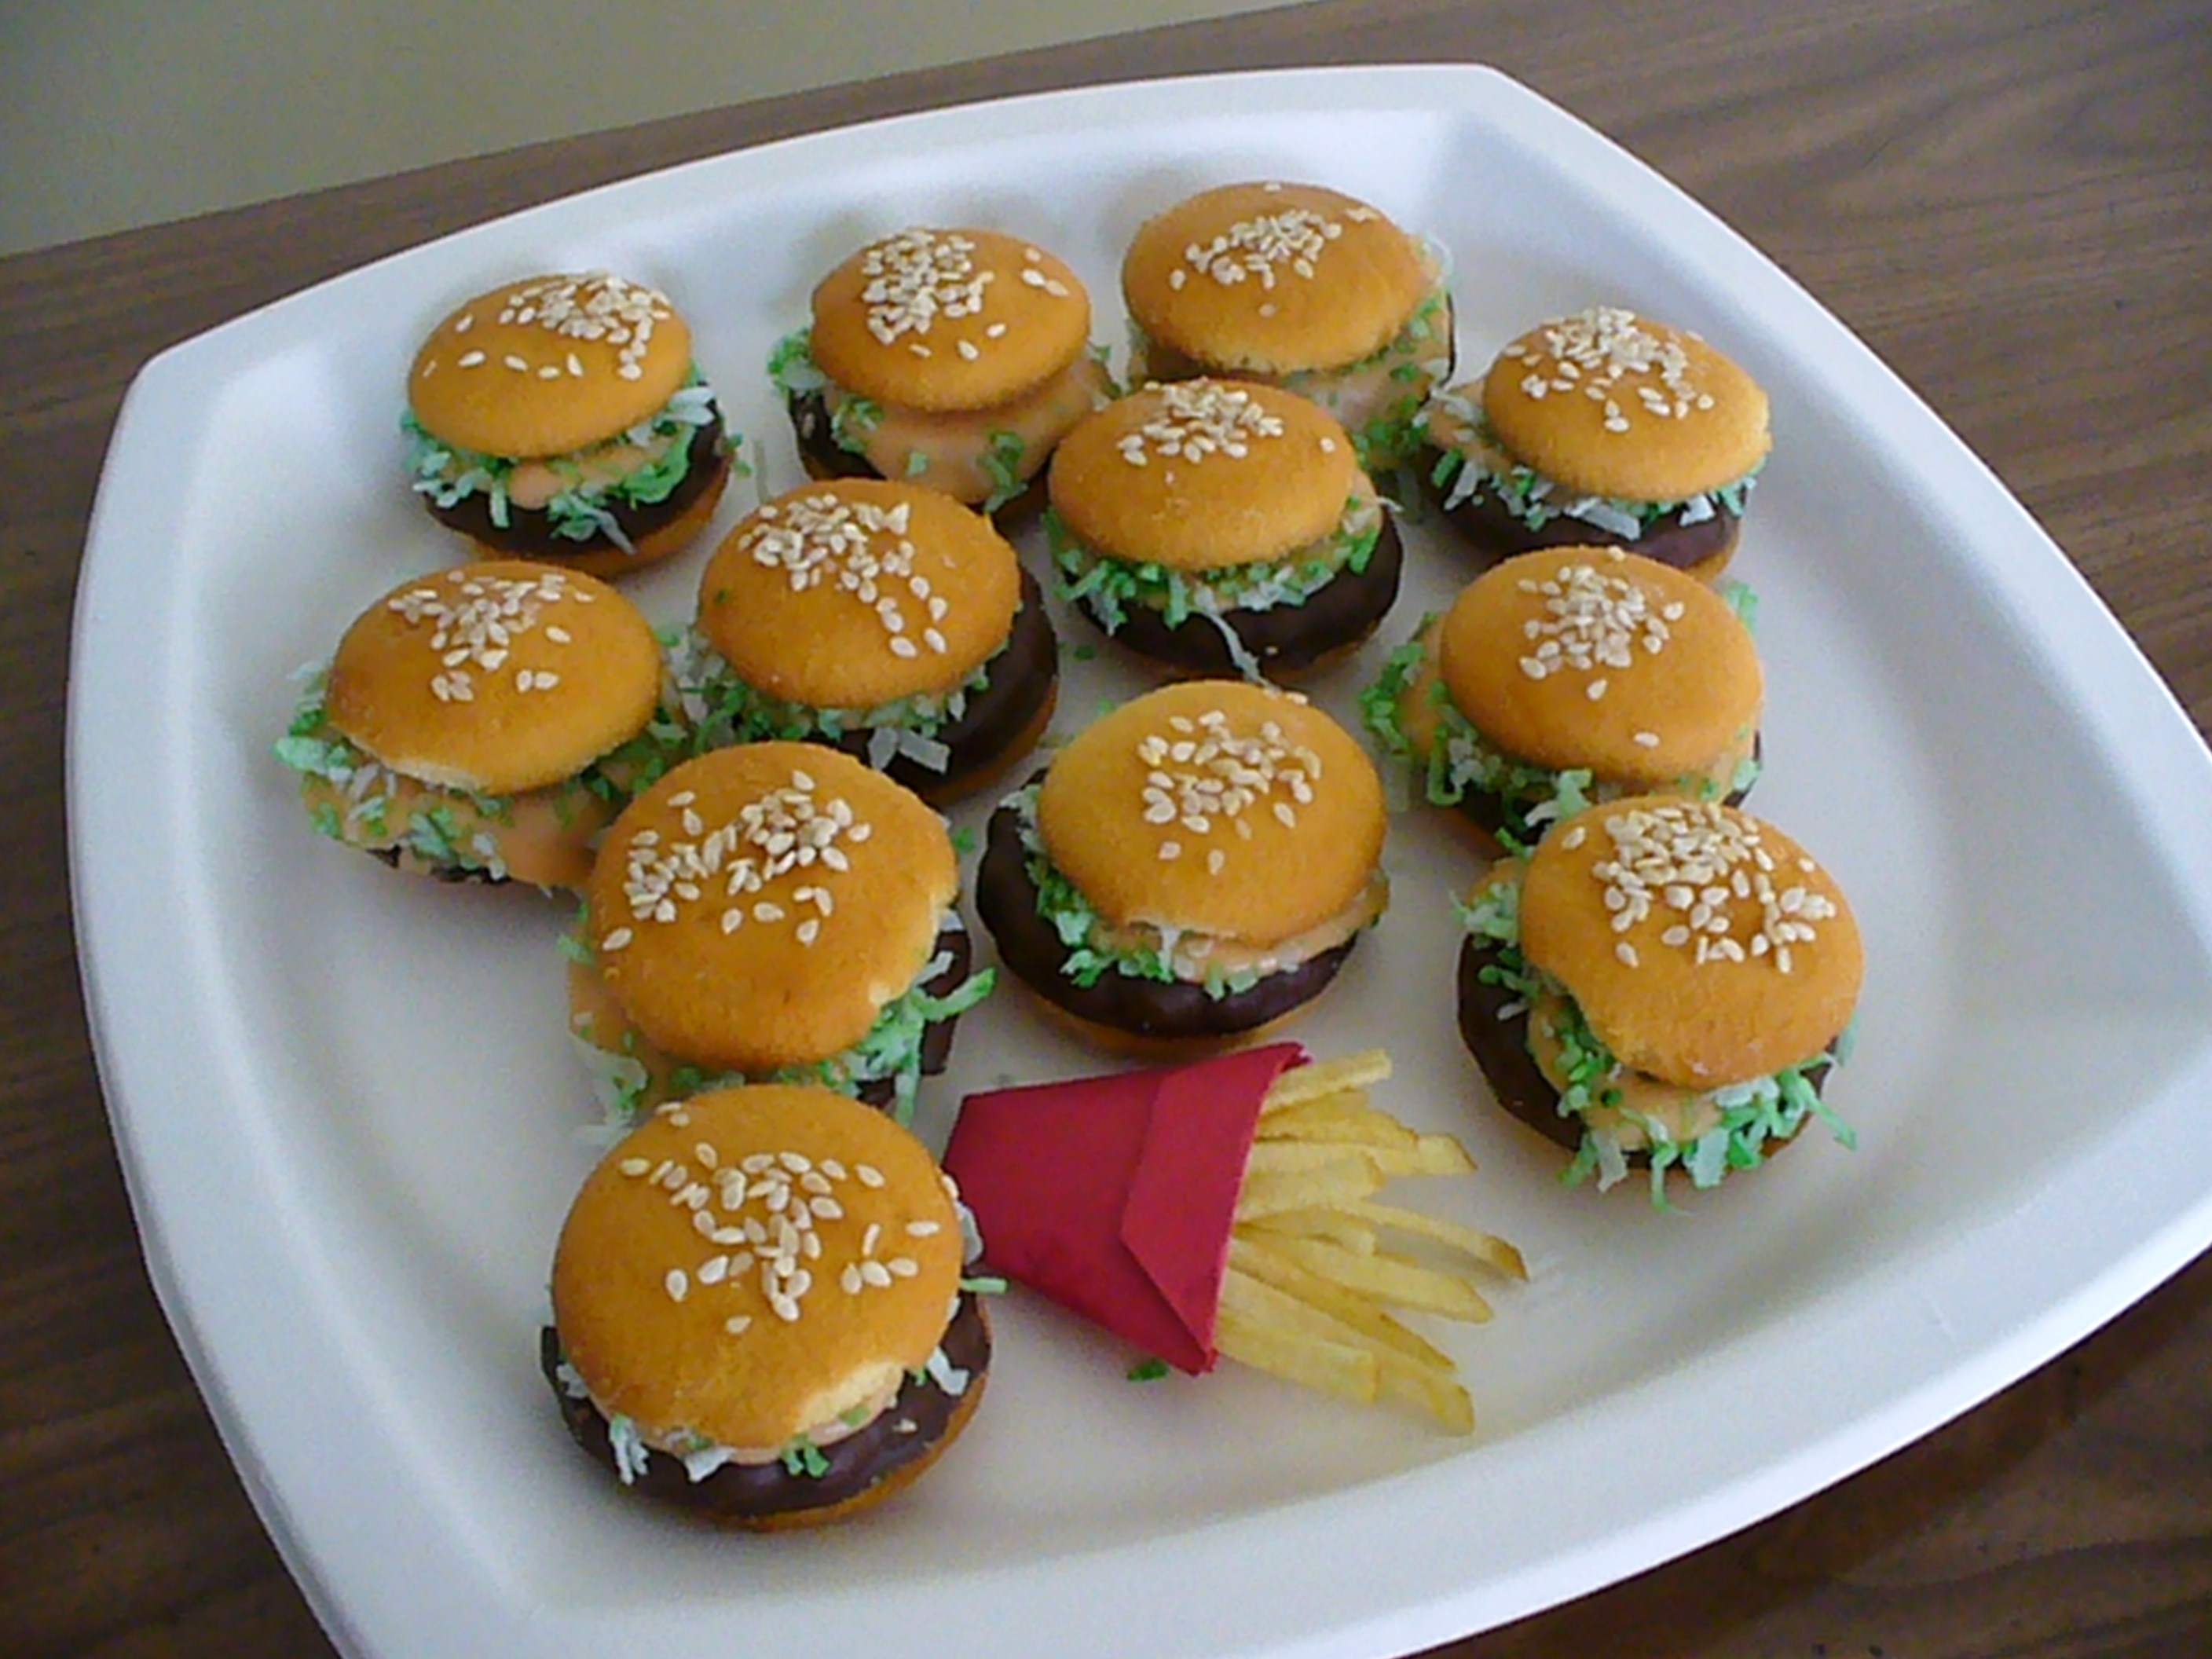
{"x":2011,"y":204}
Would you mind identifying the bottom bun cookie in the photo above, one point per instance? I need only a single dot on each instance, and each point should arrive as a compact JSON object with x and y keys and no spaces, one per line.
{"x":849,"y":1475}
{"x":1493,"y":1024}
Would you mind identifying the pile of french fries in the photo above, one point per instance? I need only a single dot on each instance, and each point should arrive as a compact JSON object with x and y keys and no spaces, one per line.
{"x":1312,"y":1273}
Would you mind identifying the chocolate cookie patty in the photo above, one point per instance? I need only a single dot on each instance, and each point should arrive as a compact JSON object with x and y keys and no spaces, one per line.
{"x":1007,"y":899}
{"x":906,"y":1434}
{"x":1284,"y":639}
{"x":528,"y":533}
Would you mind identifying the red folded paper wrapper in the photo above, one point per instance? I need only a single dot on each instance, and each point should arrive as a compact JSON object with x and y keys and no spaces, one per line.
{"x":1115,"y":1195}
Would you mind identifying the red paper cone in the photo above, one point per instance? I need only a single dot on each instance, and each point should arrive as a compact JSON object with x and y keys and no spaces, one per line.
{"x":1115,"y":1195}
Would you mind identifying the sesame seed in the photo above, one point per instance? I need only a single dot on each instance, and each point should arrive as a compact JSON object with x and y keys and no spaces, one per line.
{"x":471,"y":359}
{"x":868,"y":1175}
{"x":1198,"y":418}
{"x":1260,"y":247}
{"x":1647,"y":739}
{"x":634,"y":1166}
{"x":678,"y":1284}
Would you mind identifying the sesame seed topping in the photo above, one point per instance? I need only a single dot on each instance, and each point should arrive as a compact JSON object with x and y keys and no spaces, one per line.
{"x":1261,"y":246}
{"x":918,"y":275}
{"x":1703,"y":865}
{"x":1605,"y":348}
{"x":860,"y":547}
{"x":1590,"y":620}
{"x":1198,"y":418}
{"x":787,"y":830}
{"x":1215,"y":774}
{"x":466,"y":620}
{"x":596,"y":306}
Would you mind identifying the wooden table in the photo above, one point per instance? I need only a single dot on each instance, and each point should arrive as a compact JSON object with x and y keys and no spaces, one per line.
{"x":2012,"y":204}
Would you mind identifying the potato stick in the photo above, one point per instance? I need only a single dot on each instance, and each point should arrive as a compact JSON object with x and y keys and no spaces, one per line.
{"x":1486,"y":1248}
{"x":1343,"y":1180}
{"x":1276,"y":1157}
{"x":1296,"y":1357}
{"x":1432,"y":1154}
{"x":1407,"y":1368}
{"x":1438,"y":1394}
{"x":1392,"y":1278}
{"x":1316,"y":1221}
{"x":1261,"y":1326}
{"x":1255,"y":1259}
{"x":1353,"y":1125}
{"x":1324,"y":1077}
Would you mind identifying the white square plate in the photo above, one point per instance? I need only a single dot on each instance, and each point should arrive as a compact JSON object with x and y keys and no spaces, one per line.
{"x":349,"y":1120}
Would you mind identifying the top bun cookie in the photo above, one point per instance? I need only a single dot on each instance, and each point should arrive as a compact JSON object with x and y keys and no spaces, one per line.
{"x":549,"y":365}
{"x":497,"y":677}
{"x":666,"y":1330}
{"x":1270,"y":278}
{"x":1217,"y":806}
{"x":1606,"y":402}
{"x":939,"y":320}
{"x":1592,"y":657}
{"x":758,"y":905}
{"x":1739,"y":955}
{"x":1197,"y":475}
{"x":855,"y":592}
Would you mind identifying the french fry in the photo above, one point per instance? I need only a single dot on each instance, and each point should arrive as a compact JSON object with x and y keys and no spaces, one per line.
{"x":1344,"y":1181}
{"x":1407,"y":1368}
{"x":1318,"y":1221}
{"x":1258,"y":1326}
{"x":1435,"y":1392}
{"x":1486,"y":1248}
{"x":1259,"y":1258}
{"x":1326,"y":1077}
{"x":1275,"y":1156}
{"x":1394,"y":1279}
{"x":1340,"y":1118}
{"x":1431,"y":1155}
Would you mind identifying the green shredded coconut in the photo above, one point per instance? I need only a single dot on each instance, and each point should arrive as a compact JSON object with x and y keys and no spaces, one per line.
{"x":1535,"y":499}
{"x":449,"y":474}
{"x":723,"y":709}
{"x":1002,"y":464}
{"x":1083,"y":931}
{"x":1108,"y":586}
{"x":801,"y":1455}
{"x":1462,"y":758}
{"x":1148,"y":1371}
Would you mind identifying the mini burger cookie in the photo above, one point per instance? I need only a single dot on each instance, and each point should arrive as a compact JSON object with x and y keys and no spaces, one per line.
{"x":562,"y":417}
{"x":881,"y":618}
{"x":1662,"y":983}
{"x":484,"y":723}
{"x":1221,"y":528}
{"x":1192,"y":868}
{"x":1567,"y":676}
{"x":1300,"y":286}
{"x":1602,"y":427}
{"x":950,"y":358}
{"x":775,"y":912}
{"x":759,"y":1311}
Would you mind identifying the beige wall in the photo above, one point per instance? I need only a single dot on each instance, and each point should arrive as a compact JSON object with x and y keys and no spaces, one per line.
{"x":120,"y":113}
